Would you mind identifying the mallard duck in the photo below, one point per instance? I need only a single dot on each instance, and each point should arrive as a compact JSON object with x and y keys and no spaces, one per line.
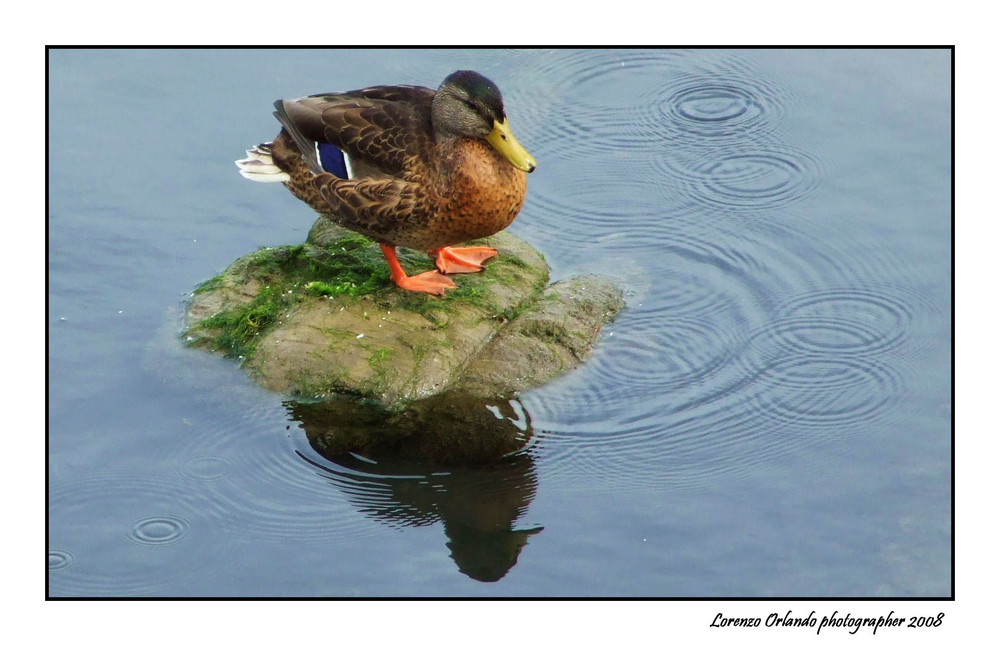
{"x":406,"y":166}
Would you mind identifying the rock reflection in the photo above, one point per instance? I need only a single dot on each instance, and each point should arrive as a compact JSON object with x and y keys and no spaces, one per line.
{"x":451,"y":428}
{"x":452,"y":458}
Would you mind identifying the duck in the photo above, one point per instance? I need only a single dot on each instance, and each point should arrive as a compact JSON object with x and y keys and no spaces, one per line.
{"x":406,"y":166}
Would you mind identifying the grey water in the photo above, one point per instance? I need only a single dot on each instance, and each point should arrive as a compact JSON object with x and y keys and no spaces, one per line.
{"x":770,"y":416}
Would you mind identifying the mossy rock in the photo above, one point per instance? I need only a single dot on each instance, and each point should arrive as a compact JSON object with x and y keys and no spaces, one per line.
{"x":321,"y":320}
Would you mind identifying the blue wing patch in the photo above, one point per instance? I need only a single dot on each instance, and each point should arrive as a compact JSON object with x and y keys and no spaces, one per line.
{"x":333,"y":160}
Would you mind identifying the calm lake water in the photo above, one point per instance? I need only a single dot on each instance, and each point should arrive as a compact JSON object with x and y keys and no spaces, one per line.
{"x":771,"y":415}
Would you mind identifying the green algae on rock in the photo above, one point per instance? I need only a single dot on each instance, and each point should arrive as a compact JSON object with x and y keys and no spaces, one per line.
{"x":321,"y":319}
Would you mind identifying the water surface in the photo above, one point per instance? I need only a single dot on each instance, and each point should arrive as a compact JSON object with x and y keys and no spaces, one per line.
{"x":771,"y":416}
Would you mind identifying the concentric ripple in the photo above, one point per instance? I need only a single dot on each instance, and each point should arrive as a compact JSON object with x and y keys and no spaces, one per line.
{"x":822,"y":360}
{"x":654,"y":356}
{"x":629,"y":102}
{"x":829,"y":335}
{"x":749,"y":179}
{"x":849,"y":321}
{"x":713,"y":103}
{"x":598,"y":205}
{"x":836,"y":393}
{"x":59,"y":559}
{"x":713,"y":110}
{"x":158,"y":530}
{"x":595,"y":78}
{"x":247,"y":462}
{"x":127,"y":532}
{"x":821,"y":364}
{"x":738,"y":418}
{"x":659,"y":448}
{"x":283,"y":498}
{"x":207,"y":467}
{"x":599,"y":220}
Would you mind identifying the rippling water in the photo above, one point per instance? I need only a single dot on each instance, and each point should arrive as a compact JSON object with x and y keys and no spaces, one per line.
{"x":770,"y":415}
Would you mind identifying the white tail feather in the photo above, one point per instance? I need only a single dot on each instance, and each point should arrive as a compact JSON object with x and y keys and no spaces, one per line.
{"x":259,"y":166}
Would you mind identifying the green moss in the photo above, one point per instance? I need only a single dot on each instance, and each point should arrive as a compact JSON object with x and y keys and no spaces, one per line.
{"x":431,"y":307}
{"x":239,"y":328}
{"x":509,"y":259}
{"x":545,"y":331}
{"x":210,"y":284}
{"x":380,"y":359}
{"x":514,"y":311}
{"x":320,"y":288}
{"x":351,"y":266}
{"x":380,"y":362}
{"x":473,"y":291}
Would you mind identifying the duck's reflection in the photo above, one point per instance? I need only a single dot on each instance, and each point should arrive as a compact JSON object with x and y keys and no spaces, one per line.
{"x":452,"y":458}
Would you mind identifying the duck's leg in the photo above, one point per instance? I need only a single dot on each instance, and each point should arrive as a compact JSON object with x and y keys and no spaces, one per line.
{"x":430,"y":282}
{"x":461,"y":260}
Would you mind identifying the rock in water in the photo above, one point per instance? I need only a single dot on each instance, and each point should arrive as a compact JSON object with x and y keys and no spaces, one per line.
{"x":321,"y":322}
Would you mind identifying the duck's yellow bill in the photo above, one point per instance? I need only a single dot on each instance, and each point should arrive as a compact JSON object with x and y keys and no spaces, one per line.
{"x":503,"y":140}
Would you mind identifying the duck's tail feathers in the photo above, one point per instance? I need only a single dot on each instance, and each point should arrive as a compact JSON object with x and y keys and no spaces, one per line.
{"x":306,"y":146}
{"x":259,"y":165}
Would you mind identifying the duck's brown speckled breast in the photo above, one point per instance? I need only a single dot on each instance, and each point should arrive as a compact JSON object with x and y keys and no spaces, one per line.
{"x":481,"y":195}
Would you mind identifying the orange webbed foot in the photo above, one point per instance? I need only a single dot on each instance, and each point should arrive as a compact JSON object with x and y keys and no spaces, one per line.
{"x":429,"y":282}
{"x":462,"y":260}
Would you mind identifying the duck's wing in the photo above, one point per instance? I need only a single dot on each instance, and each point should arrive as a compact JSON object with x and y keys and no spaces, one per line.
{"x":377,"y":208}
{"x":387,"y":127}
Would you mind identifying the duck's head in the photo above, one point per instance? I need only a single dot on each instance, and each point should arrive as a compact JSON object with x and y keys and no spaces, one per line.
{"x":469,"y":105}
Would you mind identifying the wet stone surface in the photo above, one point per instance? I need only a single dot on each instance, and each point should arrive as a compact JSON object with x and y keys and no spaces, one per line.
{"x":321,"y":321}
